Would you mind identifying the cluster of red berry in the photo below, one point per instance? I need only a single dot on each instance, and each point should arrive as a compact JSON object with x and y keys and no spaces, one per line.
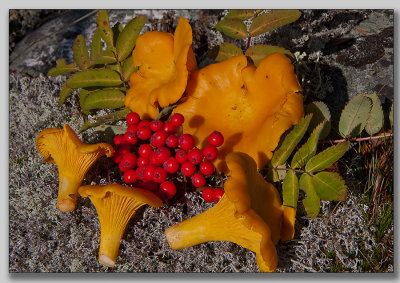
{"x":152,"y":153}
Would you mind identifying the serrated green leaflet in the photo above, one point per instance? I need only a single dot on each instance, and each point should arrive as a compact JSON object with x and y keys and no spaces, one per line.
{"x":62,"y":68}
{"x":128,"y":68}
{"x":105,"y":57}
{"x":375,"y":119}
{"x":110,"y":118}
{"x":307,"y":150}
{"x":104,"y":98}
{"x":224,"y":51}
{"x":115,"y":130}
{"x":127,"y":38}
{"x":104,"y":27}
{"x":82,"y":96}
{"x":271,"y":20}
{"x":291,"y":140}
{"x":329,"y":186}
{"x":80,"y":52}
{"x":260,"y":51}
{"x":290,"y":189}
{"x":117,"y":28}
{"x":95,"y":47}
{"x":94,"y":77}
{"x":326,"y":158}
{"x":232,"y":27}
{"x":241,"y":14}
{"x":320,"y":113}
{"x":65,"y":91}
{"x":312,"y":201}
{"x":354,"y":116}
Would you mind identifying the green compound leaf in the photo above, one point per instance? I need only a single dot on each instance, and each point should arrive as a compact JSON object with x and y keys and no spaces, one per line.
{"x":354,"y":116}
{"x":308,"y":149}
{"x":329,"y":186}
{"x":105,"y":57}
{"x":80,"y":52}
{"x":232,"y":27}
{"x":312,"y":201}
{"x":127,"y":38}
{"x":104,"y":98}
{"x":290,"y":189}
{"x":375,"y":119}
{"x":224,"y":51}
{"x":103,"y":27}
{"x":391,"y":115}
{"x":128,"y":68}
{"x":241,"y":14}
{"x":290,"y":142}
{"x":62,"y":68}
{"x":260,"y":51}
{"x":64,"y":93}
{"x":326,"y":158}
{"x":110,"y":118}
{"x":271,"y":20}
{"x":94,"y":77}
{"x":320,"y":113}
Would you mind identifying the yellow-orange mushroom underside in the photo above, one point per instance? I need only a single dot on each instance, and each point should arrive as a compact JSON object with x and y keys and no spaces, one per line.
{"x":115,"y":205}
{"x":249,"y":214}
{"x":73,"y":158}
{"x":252,"y":107}
{"x":164,"y":63}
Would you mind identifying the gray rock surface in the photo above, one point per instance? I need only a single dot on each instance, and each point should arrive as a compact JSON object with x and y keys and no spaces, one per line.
{"x":41,"y":239}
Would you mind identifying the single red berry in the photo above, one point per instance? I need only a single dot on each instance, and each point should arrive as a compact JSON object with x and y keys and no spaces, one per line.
{"x":162,"y":154}
{"x":124,"y":148}
{"x":172,"y":141}
{"x":148,"y":172}
{"x":188,"y":168}
{"x":171,"y":165}
{"x":218,"y":193}
{"x":181,"y":156}
{"x":159,"y":138}
{"x":216,"y":139}
{"x":133,"y":129}
{"x":198,"y":180}
{"x":141,"y":161}
{"x":167,"y":189}
{"x":208,"y":194}
{"x":145,"y":150}
{"x":119,"y":139}
{"x":195,"y":156}
{"x":143,"y":123}
{"x":177,"y":119}
{"x":210,"y":152}
{"x":144,"y":133}
{"x":207,"y":168}
{"x":140,"y":172}
{"x":130,"y":137}
{"x":186,"y":141}
{"x":117,"y":157}
{"x":156,"y":125}
{"x":169,"y":127}
{"x":130,"y":176}
{"x":132,"y":118}
{"x":153,"y":159}
{"x":148,"y":185}
{"x":159,"y":175}
{"x":129,"y":161}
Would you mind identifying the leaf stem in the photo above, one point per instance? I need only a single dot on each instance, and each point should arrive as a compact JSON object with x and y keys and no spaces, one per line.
{"x":248,"y":42}
{"x":382,"y":136}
